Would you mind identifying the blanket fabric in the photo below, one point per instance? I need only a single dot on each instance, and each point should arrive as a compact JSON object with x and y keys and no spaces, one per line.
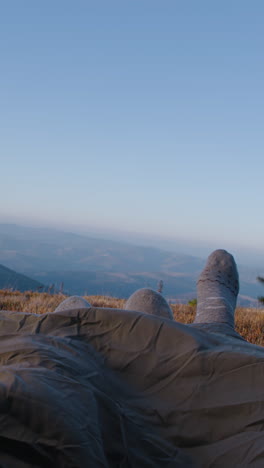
{"x":113,"y":388}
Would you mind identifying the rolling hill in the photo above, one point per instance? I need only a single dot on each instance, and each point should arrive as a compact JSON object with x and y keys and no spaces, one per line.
{"x":9,"y":279}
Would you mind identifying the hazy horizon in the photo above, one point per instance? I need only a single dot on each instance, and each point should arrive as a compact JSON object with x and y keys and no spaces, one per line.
{"x":244,"y":255}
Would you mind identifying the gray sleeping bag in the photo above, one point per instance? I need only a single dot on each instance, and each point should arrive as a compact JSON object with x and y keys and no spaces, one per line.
{"x":112,"y":388}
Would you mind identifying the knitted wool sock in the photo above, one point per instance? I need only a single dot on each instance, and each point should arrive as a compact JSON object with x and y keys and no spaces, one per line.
{"x":149,"y":301}
{"x":217,"y":290}
{"x":72,"y":302}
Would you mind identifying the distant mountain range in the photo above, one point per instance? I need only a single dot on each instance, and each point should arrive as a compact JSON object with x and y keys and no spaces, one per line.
{"x":88,"y":265}
{"x":9,"y":279}
{"x":32,"y":250}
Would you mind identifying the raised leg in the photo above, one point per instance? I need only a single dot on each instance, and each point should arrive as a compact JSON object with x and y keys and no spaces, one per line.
{"x":217,"y":290}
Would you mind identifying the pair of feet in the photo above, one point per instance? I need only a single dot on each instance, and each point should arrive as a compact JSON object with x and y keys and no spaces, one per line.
{"x":217,"y":290}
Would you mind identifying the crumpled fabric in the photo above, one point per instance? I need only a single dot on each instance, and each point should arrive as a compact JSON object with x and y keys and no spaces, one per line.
{"x":113,"y":388}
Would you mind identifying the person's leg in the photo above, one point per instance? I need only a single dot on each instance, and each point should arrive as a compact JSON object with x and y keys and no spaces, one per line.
{"x":72,"y":302}
{"x":149,"y":301}
{"x":217,"y":290}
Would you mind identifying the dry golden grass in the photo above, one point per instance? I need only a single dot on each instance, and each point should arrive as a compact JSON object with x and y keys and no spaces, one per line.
{"x":249,"y":322}
{"x":40,"y":303}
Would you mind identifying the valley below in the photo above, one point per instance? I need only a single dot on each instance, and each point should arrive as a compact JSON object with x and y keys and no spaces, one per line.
{"x":83,"y":265}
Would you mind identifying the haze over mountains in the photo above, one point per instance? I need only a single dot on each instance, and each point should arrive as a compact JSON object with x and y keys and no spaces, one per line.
{"x":88,"y":265}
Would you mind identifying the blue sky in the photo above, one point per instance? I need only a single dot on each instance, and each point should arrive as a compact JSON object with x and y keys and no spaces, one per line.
{"x":140,"y":115}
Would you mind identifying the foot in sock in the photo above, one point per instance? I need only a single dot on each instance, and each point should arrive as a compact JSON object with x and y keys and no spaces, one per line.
{"x":217,"y":290}
{"x":72,"y":302}
{"x":149,"y":301}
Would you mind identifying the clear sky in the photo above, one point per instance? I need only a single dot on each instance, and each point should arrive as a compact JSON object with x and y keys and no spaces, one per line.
{"x":136,"y":115}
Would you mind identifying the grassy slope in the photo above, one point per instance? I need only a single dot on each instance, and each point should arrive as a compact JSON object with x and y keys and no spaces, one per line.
{"x":249,"y":322}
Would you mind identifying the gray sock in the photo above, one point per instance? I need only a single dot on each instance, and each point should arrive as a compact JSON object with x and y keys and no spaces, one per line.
{"x":72,"y":302}
{"x":217,"y":290}
{"x":149,"y":301}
